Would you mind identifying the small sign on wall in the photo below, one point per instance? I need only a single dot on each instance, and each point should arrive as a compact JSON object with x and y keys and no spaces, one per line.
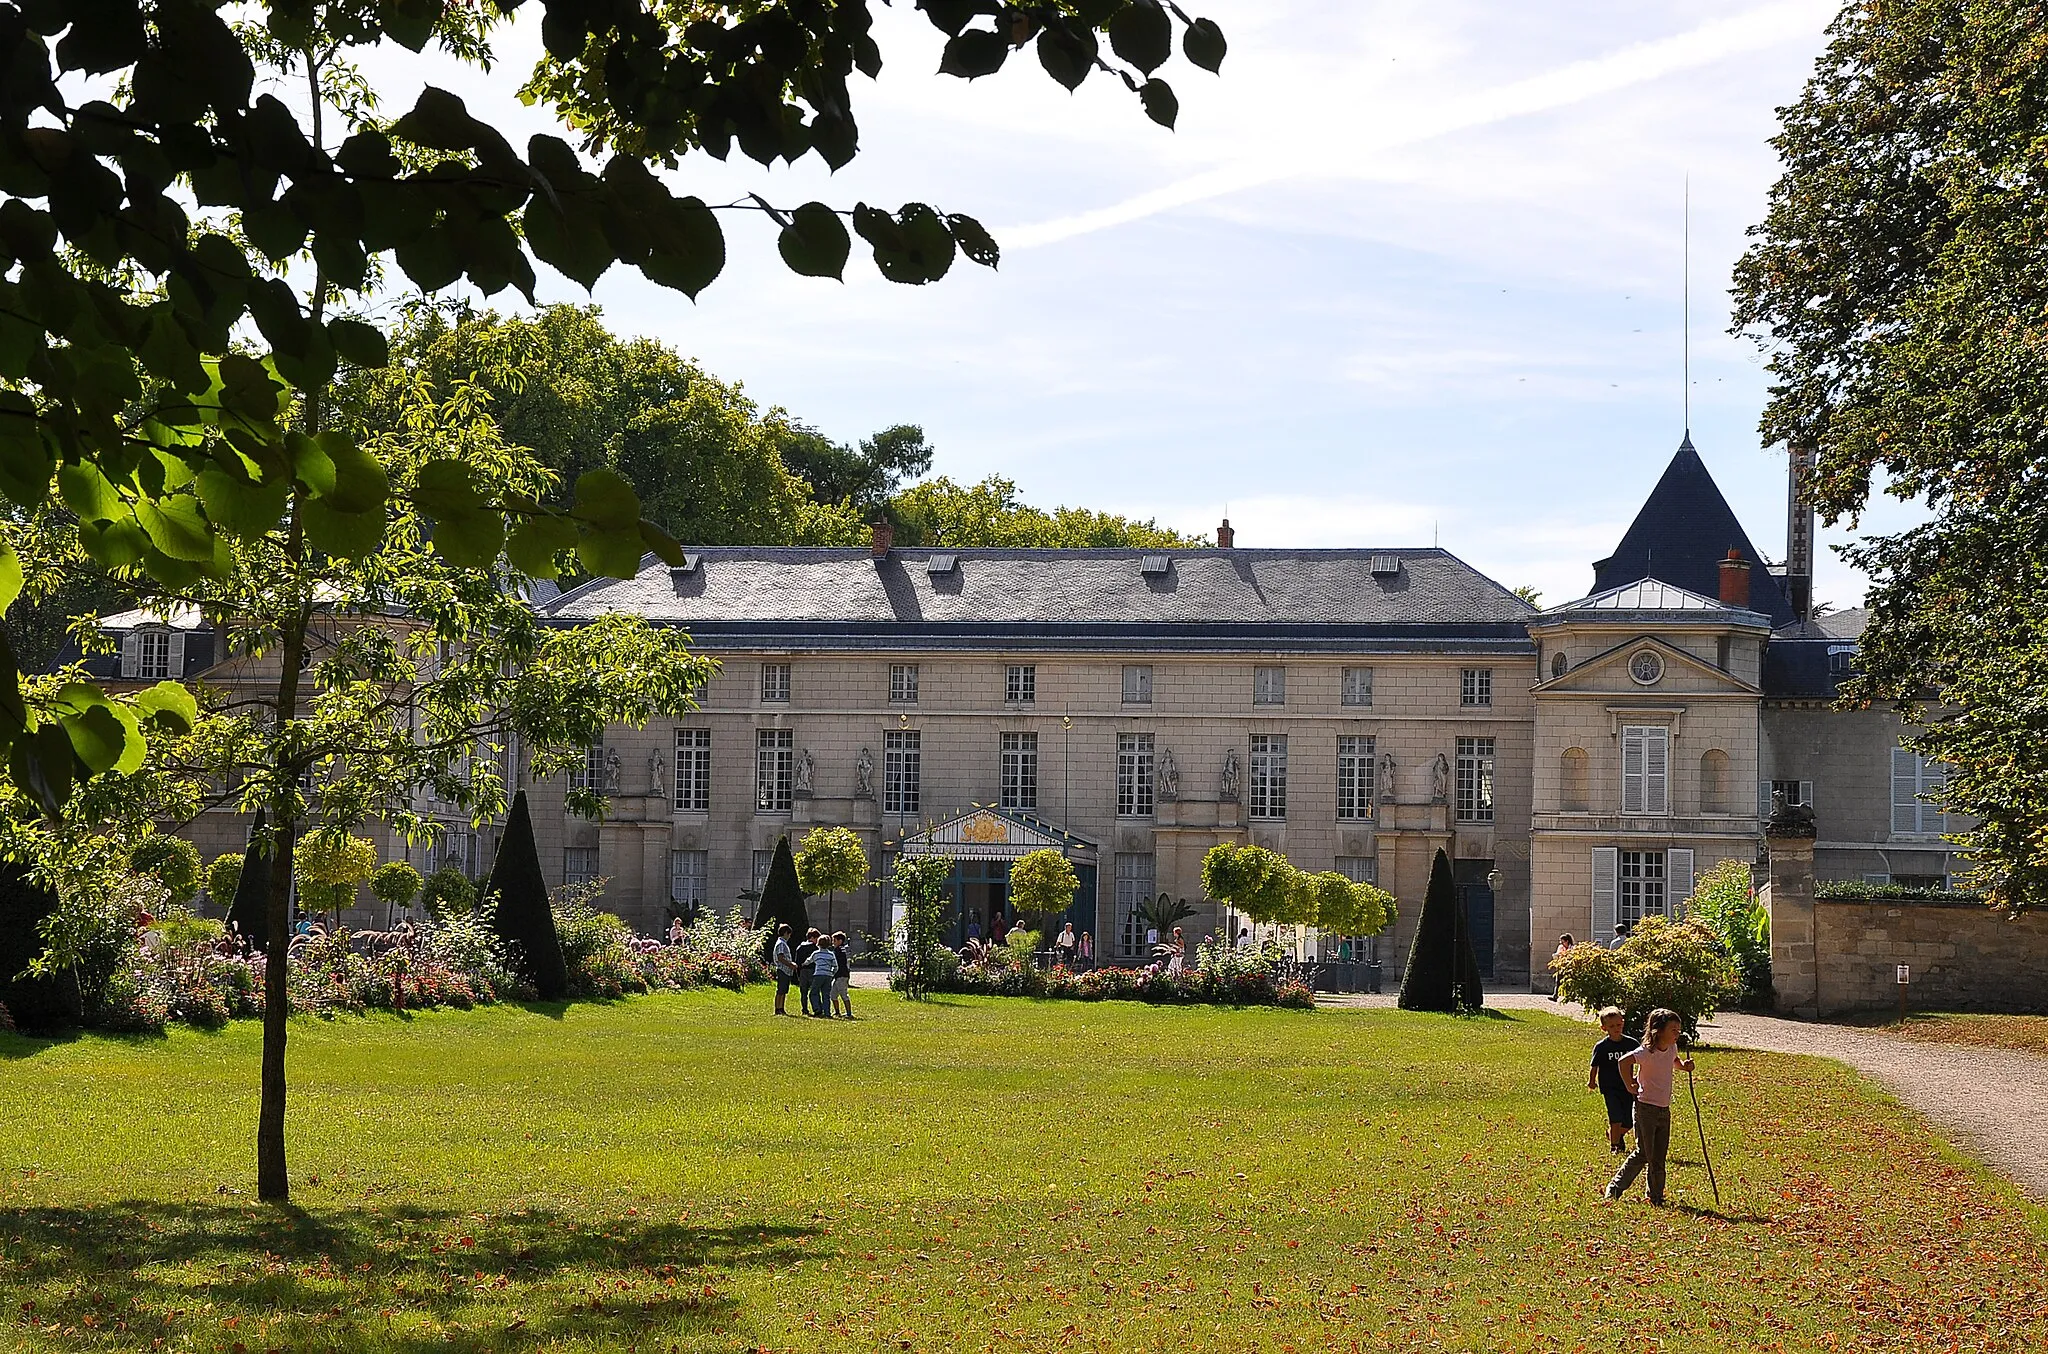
{"x":1905,"y":974}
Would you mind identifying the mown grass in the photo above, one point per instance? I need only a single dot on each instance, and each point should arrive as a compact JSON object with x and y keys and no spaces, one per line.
{"x":686,"y":1173}
{"x":2027,"y":1033}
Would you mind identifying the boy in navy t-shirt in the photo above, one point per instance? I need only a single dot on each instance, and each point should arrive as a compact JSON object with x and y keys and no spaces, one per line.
{"x":1605,"y":1077}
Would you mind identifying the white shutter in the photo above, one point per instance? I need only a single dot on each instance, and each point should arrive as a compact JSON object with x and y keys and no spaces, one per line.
{"x":1606,"y":865}
{"x":1657,"y":771}
{"x":1632,"y":769}
{"x":1806,"y":793}
{"x":177,"y":664}
{"x":1677,"y":880}
{"x":131,"y":654}
{"x":1905,"y":785}
{"x":1763,"y":799}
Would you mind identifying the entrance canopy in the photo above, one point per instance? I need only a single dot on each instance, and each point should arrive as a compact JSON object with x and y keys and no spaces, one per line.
{"x":992,"y":834}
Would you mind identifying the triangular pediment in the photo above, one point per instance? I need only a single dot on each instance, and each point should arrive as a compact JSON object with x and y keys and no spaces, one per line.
{"x":1680,"y":674}
{"x":1645,"y":594}
{"x":986,"y":833}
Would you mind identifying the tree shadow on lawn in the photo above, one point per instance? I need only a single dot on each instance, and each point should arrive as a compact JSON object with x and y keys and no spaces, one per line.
{"x":16,"y":1046}
{"x":333,"y":1280}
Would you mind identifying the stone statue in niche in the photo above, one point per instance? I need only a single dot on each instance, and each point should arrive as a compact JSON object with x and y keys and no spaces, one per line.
{"x":657,"y":775}
{"x":1387,"y":777}
{"x":1228,"y":791}
{"x":611,"y":771}
{"x":864,"y":775}
{"x":1168,"y":775}
{"x":1440,"y":778}
{"x":804,"y":768}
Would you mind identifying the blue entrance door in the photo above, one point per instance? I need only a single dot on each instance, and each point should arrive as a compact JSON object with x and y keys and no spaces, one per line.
{"x":1475,"y":900}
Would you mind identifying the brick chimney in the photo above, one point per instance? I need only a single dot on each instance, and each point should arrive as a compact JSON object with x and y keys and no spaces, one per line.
{"x":1225,"y":537}
{"x":1735,"y":580}
{"x":882,"y":536}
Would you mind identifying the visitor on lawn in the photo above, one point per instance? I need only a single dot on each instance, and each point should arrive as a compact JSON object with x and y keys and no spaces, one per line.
{"x":785,"y":967}
{"x":1087,"y":949}
{"x":842,"y":981}
{"x":1650,"y":1069}
{"x":1065,"y":945}
{"x":1564,"y":947}
{"x":824,"y":972}
{"x":805,"y":953}
{"x":1605,"y":1077}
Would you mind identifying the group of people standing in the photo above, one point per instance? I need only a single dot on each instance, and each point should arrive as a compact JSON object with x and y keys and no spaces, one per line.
{"x":820,"y":968}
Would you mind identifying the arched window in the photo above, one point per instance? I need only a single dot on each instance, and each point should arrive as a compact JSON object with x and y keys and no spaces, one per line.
{"x":1557,"y":664}
{"x":1573,"y":780}
{"x":1714,"y":781}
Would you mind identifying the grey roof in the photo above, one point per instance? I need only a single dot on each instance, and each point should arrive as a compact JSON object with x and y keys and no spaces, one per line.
{"x":1649,"y":601}
{"x":1845,"y":626}
{"x":1207,"y":588}
{"x":1053,"y":600}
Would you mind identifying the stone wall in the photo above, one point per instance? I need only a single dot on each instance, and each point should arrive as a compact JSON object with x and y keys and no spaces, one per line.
{"x":1963,"y":957}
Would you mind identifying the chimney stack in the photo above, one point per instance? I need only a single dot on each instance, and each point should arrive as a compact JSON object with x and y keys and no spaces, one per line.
{"x":1225,"y":537}
{"x":882,"y":536}
{"x":1735,"y":580}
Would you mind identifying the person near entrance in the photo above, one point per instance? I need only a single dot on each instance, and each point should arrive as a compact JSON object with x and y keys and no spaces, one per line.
{"x":1065,"y":944}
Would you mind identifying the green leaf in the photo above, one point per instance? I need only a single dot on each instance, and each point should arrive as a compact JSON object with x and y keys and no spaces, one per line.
{"x":169,"y":704}
{"x":975,"y":242}
{"x":245,"y":510}
{"x":665,"y":547}
{"x":114,"y":545}
{"x":815,"y":243}
{"x":176,"y":526}
{"x":608,"y":503}
{"x":430,"y":259}
{"x":346,"y":535}
{"x":275,"y":230}
{"x":974,"y":53}
{"x":311,"y":465}
{"x":10,"y":576}
{"x":686,"y":247}
{"x":536,"y":541}
{"x":359,"y":344}
{"x":88,"y":493}
{"x":13,"y":711}
{"x":1161,"y":104}
{"x":1066,"y":60}
{"x":922,"y":249}
{"x":42,"y":764}
{"x":1204,"y":45}
{"x":467,"y":531}
{"x":1142,"y":34}
{"x":97,"y":736}
{"x":567,"y":236}
{"x":611,"y":554}
{"x":410,"y":23}
{"x":360,"y":482}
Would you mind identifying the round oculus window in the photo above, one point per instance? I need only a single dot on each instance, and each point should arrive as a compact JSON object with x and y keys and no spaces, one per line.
{"x":1646,"y":667}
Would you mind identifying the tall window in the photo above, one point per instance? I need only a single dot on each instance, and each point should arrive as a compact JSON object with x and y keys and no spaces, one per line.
{"x":1475,"y":780}
{"x":579,"y":864}
{"x":1645,"y":768}
{"x":902,"y":771}
{"x":1359,"y":869}
{"x":1020,"y":770}
{"x":1134,"y":775}
{"x":153,"y":654}
{"x":589,"y":773}
{"x":1912,"y":777}
{"x":689,"y":878}
{"x":1475,"y":686}
{"x":1642,"y":887}
{"x":1269,"y":775}
{"x":775,"y":683}
{"x":1355,"y":777}
{"x":693,"y":770}
{"x":1357,"y":687}
{"x":1020,"y":684}
{"x":903,"y":683}
{"x":1269,"y":686}
{"x":763,"y":862}
{"x":774,"y":770}
{"x":1134,"y":874}
{"x":1137,"y":685}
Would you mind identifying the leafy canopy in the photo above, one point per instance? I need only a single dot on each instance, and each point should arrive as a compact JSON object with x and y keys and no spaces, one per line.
{"x":831,"y":860}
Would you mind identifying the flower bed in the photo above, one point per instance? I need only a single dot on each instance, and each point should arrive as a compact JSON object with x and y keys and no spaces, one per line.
{"x":1218,"y":977}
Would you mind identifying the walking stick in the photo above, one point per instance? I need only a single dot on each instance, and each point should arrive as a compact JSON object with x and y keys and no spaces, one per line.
{"x":1701,"y":1125}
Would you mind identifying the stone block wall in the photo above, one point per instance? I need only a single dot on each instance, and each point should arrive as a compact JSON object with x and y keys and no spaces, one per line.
{"x":1963,"y":957}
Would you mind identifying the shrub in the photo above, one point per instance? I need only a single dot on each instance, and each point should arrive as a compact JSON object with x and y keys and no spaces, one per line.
{"x":519,"y":910}
{"x":1042,"y":885}
{"x":921,"y":884}
{"x":395,"y":884}
{"x":1725,"y":903}
{"x":222,"y":876}
{"x":172,"y":861}
{"x":1296,"y":995}
{"x":594,"y":944}
{"x":1442,"y":972}
{"x":447,"y":893}
{"x":1675,"y":964}
{"x":1855,"y":890}
{"x":93,"y":943}
{"x":181,"y":927}
{"x":331,"y":864}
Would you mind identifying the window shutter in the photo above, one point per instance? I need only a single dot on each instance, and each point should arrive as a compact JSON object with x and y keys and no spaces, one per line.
{"x":1905,"y":784}
{"x":1677,"y":879}
{"x":177,"y":664}
{"x":1631,"y":770}
{"x":131,"y":654}
{"x":1606,"y":865}
{"x":1763,"y":799}
{"x":1806,"y":793}
{"x":1657,"y":771}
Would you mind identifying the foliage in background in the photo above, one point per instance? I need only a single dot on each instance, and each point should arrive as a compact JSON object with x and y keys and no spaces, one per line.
{"x":1724,"y":901}
{"x":447,"y":892}
{"x":395,"y":884}
{"x":830,"y":861}
{"x":1042,"y":885}
{"x":1896,"y":286}
{"x":331,"y":865}
{"x":1678,"y":965}
{"x":1442,"y":972}
{"x":1214,"y":974}
{"x":222,"y":878}
{"x":782,"y":897}
{"x":1855,"y":890}
{"x":989,"y":514}
{"x":172,"y":861}
{"x":920,"y":883}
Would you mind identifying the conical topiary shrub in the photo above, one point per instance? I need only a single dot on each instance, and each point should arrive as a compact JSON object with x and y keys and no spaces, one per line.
{"x":1440,"y":960}
{"x":35,"y":1003}
{"x":782,"y":897}
{"x":250,"y":912}
{"x":519,"y":910}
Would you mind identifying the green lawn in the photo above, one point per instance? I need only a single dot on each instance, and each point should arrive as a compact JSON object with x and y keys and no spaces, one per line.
{"x":685,"y":1173}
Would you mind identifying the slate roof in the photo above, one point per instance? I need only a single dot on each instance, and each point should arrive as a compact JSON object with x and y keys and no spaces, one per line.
{"x":842,"y":597}
{"x":1843,"y":626}
{"x":1802,"y":661}
{"x":1681,"y":536}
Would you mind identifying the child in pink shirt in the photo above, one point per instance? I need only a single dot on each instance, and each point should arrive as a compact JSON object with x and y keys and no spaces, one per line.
{"x":1649,"y":1072}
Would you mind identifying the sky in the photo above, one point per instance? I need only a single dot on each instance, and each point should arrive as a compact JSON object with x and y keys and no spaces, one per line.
{"x":1405,"y":274}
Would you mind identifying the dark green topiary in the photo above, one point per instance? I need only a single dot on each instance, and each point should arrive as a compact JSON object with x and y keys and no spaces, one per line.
{"x":250,"y":912}
{"x":35,"y":1003}
{"x":782,"y":897}
{"x":519,"y":908}
{"x":1440,"y":960}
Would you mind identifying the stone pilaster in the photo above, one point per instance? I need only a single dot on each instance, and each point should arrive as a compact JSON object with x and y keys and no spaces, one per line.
{"x":1788,"y":898}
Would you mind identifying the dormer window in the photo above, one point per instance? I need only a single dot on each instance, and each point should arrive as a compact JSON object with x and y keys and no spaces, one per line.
{"x":153,"y":655}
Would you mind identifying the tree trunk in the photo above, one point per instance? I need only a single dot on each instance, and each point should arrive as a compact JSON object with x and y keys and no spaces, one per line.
{"x":272,"y":1183}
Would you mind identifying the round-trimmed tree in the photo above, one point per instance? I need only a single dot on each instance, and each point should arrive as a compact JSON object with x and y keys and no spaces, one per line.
{"x":829,"y":860}
{"x":222,"y":876}
{"x":1042,"y":885}
{"x":172,"y":862}
{"x":395,"y":884}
